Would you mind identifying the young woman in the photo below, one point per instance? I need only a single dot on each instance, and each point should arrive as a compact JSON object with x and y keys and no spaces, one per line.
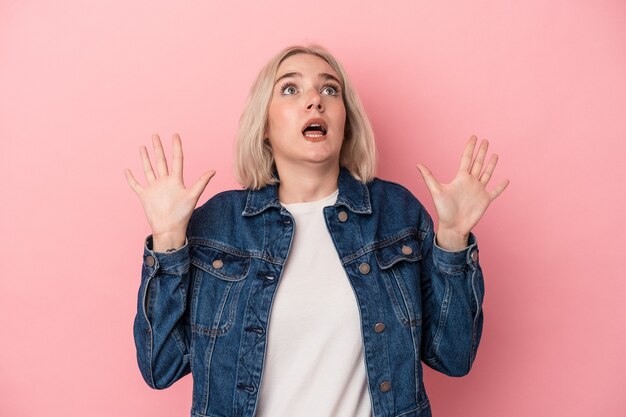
{"x":318,"y":290}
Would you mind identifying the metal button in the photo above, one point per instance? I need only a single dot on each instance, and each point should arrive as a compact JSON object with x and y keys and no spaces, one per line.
{"x":150,"y":260}
{"x":407,"y":250}
{"x":379,"y":327}
{"x":385,"y":386}
{"x":343,"y":216}
{"x":364,"y":268}
{"x":217,"y":264}
{"x":474,"y":256}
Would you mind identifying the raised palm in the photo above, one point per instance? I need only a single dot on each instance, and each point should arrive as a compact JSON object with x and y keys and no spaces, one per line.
{"x":167,"y":203}
{"x":461,"y":203}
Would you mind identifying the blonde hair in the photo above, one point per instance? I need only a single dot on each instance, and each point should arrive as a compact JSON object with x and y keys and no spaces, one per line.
{"x":254,"y":162}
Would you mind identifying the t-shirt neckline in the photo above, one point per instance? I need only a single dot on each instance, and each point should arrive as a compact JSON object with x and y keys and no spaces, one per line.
{"x":312,"y":205}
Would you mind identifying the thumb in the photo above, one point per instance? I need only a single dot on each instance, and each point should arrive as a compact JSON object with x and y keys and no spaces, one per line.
{"x":200,"y":185}
{"x":429,"y":178}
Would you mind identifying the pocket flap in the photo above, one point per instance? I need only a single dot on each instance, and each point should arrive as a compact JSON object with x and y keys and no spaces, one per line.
{"x":224,"y":265}
{"x":405,"y":249}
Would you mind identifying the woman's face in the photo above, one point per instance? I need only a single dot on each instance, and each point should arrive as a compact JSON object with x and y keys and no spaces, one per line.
{"x":306,"y":115}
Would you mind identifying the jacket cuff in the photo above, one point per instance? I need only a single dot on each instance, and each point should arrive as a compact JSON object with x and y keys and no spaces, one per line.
{"x":453,"y":262}
{"x":174,"y":263}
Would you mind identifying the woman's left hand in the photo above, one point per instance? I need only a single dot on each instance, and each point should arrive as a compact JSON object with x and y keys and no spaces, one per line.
{"x":461,"y":203}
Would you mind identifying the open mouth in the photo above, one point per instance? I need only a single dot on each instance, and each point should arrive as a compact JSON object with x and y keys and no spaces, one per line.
{"x":315,"y":129}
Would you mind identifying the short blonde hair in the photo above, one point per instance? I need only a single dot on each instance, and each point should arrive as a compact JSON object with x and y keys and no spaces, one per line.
{"x":254,"y":162}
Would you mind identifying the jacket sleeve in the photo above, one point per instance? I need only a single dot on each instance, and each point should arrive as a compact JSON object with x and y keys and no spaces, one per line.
{"x":161,"y":329}
{"x":452,"y":295}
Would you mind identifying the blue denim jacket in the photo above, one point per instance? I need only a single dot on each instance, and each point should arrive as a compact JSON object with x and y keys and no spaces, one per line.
{"x":205,"y":308}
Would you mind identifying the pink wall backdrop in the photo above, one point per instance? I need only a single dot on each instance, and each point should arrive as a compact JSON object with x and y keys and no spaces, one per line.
{"x":84,"y":84}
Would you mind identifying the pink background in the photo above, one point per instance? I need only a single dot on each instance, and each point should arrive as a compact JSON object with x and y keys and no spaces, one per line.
{"x":83,"y":85}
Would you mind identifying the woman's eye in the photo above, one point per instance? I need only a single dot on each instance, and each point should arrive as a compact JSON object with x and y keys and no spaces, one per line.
{"x":288,"y":89}
{"x":330,"y":90}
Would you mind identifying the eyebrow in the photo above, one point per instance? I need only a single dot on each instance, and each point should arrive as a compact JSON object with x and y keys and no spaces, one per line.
{"x":324,"y":75}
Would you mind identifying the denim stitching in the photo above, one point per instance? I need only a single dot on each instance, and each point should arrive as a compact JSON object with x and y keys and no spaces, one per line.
{"x":394,"y":300}
{"x":443,"y":316}
{"x":475,"y":321}
{"x":412,"y":320}
{"x":150,"y":335}
{"x":419,"y":407}
{"x":378,"y":245}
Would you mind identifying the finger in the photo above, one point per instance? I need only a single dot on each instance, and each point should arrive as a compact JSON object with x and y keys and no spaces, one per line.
{"x":486,"y":176}
{"x":159,"y":156}
{"x":147,"y":166}
{"x":132,"y":181}
{"x":477,"y":165}
{"x":468,"y":152}
{"x":431,"y":182}
{"x":200,"y":185}
{"x":177,"y":156}
{"x":498,"y":190}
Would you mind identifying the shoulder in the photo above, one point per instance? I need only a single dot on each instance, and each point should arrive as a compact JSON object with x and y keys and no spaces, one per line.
{"x":223,"y":206}
{"x":225,"y":199}
{"x":392,"y":200}
{"x":384,"y":191}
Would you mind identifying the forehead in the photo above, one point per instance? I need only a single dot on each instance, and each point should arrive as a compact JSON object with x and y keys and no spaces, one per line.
{"x":305,"y":64}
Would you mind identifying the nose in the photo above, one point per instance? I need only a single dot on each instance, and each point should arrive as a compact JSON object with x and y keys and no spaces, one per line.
{"x":315,"y":101}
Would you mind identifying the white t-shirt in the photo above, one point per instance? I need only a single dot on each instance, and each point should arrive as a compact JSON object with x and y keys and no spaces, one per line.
{"x":314,"y":364}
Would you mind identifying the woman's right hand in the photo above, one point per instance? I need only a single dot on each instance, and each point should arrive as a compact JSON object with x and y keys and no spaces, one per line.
{"x":167,"y":203}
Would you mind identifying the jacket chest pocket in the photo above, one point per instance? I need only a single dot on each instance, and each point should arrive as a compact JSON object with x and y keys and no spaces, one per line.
{"x":218,"y":279}
{"x":399,"y":265}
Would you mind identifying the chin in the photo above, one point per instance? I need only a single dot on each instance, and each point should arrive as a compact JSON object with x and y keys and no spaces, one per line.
{"x":321,"y":158}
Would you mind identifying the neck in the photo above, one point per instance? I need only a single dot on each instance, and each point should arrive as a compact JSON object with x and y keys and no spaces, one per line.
{"x":302,"y":184}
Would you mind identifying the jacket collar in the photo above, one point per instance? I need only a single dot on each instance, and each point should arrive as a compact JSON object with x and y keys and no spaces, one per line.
{"x":352,"y":193}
